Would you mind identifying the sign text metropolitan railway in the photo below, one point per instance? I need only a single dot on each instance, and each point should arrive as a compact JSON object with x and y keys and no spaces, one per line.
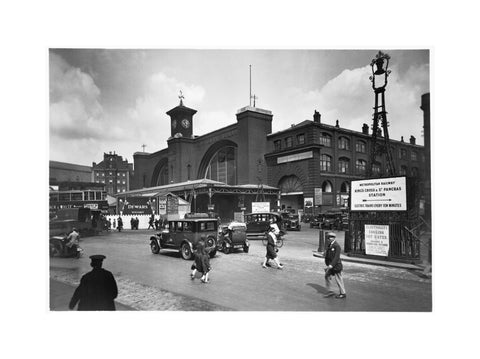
{"x":381,"y":194}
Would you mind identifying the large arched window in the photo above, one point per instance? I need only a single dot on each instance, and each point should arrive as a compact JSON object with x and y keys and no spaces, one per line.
{"x":325,"y":163}
{"x":290,"y":184}
{"x":223,"y":166}
{"x":377,"y":169}
{"x":163,"y":176}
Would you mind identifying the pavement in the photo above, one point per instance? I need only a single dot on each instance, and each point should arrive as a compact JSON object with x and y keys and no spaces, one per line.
{"x":61,"y":293}
{"x":383,"y":263}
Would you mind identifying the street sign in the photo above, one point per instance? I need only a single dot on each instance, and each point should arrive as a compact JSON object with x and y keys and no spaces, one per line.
{"x":380,"y":194}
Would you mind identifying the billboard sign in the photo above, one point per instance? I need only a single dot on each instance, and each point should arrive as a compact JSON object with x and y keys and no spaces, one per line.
{"x":380,"y":194}
{"x":137,"y":206}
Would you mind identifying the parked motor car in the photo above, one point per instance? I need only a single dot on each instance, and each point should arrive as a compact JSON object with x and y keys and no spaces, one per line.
{"x":259,"y":223}
{"x":183,"y":235}
{"x":315,"y":221}
{"x":232,"y":236}
{"x":292,"y":223}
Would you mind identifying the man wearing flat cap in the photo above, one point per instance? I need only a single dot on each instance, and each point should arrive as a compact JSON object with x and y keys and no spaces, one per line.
{"x":97,"y":289}
{"x":334,"y":266}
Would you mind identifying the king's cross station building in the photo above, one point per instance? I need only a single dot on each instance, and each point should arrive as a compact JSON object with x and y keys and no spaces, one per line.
{"x":307,"y":167}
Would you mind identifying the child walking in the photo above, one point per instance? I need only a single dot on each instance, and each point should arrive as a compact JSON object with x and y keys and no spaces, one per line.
{"x":201,"y":263}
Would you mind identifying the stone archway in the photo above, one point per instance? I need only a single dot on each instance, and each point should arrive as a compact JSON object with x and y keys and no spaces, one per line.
{"x":159,"y":173}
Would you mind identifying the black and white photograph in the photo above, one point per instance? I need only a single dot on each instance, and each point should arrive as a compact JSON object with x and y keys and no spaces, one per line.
{"x":228,"y":179}
{"x":206,"y":176}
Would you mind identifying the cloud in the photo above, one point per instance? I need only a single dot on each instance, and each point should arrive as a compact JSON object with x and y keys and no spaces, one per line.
{"x":349,"y":97}
{"x":161,"y":95}
{"x":75,"y":110}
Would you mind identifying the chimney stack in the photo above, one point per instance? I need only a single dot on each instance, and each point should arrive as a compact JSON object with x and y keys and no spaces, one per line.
{"x":337,"y":124}
{"x":412,"y":140}
{"x":316,"y":117}
{"x":365,"y":129}
{"x":401,"y":139}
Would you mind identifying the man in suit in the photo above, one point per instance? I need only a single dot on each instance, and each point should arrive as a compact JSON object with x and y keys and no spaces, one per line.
{"x":97,"y":289}
{"x":333,"y":267}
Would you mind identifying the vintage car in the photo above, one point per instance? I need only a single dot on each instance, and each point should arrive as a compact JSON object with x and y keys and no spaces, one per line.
{"x":184,"y":234}
{"x":292,"y":222}
{"x":315,"y":221}
{"x":231,"y":236}
{"x":259,"y":223}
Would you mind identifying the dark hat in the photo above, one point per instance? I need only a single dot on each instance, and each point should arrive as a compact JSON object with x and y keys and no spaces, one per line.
{"x":97,"y":257}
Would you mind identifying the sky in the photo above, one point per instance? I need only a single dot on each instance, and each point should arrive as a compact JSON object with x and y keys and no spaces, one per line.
{"x":104,"y":100}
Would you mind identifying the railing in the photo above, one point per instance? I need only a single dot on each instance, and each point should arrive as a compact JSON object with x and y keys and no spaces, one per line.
{"x":404,"y":242}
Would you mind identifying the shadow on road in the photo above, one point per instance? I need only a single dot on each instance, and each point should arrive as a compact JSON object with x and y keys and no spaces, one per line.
{"x":318,"y":288}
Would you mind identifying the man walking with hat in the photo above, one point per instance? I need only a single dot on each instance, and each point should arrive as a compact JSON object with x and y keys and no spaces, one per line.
{"x":97,"y":289}
{"x":334,"y":266}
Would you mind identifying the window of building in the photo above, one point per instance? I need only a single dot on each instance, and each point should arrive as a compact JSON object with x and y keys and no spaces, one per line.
{"x":403,"y":153}
{"x":345,"y":187}
{"x":414,"y":172}
{"x":377,"y":169}
{"x":343,"y":143}
{"x":301,"y":139}
{"x":325,"y":163}
{"x":361,"y":166}
{"x":326,"y":139}
{"x":118,"y":181}
{"x":343,"y":165}
{"x":360,"y":147}
{"x":278,"y":145}
{"x":110,"y":181}
{"x":414,"y":156}
{"x":123,"y":182}
{"x":97,"y":174}
{"x":223,"y":166}
{"x":403,"y":170}
{"x":288,"y":142}
{"x":326,"y":187}
{"x":109,"y":173}
{"x":103,"y":174}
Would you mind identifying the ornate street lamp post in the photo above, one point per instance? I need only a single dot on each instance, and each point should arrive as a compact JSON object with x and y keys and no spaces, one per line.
{"x":379,"y":79}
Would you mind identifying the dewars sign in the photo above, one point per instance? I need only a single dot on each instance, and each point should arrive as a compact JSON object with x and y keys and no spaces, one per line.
{"x":381,"y":194}
{"x":137,"y":205}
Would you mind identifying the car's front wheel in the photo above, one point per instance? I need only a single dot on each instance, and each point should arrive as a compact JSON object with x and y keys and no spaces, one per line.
{"x":225,"y":248}
{"x":186,"y":251}
{"x":154,"y":247}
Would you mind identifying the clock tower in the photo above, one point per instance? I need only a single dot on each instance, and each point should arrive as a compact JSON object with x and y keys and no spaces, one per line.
{"x":181,"y":120}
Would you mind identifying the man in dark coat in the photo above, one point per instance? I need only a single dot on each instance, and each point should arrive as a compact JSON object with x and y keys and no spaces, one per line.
{"x":97,"y":289}
{"x":334,"y":266}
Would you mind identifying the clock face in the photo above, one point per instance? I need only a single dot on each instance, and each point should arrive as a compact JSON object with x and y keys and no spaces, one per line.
{"x":174,"y":123}
{"x":185,"y":123}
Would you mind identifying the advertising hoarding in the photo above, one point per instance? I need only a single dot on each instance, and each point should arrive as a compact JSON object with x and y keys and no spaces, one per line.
{"x":377,"y":239}
{"x":258,"y":207}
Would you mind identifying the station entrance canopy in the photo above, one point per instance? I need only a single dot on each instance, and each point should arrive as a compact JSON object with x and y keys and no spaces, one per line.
{"x":204,"y":193}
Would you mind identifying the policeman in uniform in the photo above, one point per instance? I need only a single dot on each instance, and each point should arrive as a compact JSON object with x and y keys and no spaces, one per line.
{"x":97,"y":289}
